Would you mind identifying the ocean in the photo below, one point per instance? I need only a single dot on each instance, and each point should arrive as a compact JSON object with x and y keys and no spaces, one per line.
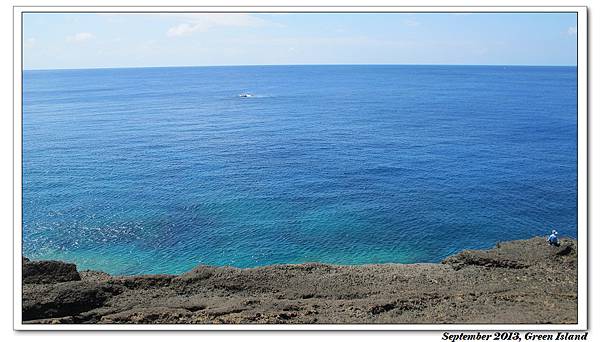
{"x":157,"y":170}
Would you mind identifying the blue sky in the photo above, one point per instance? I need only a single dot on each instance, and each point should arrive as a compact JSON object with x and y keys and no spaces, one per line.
{"x":92,"y":40}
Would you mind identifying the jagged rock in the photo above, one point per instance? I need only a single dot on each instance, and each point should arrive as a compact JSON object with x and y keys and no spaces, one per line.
{"x":59,"y":320}
{"x":144,"y":282}
{"x":378,"y":309}
{"x":523,"y":281}
{"x":94,"y":275}
{"x":65,"y":299}
{"x":565,"y":248}
{"x":156,"y":315}
{"x":478,"y":258}
{"x":48,"y":272}
{"x":199,"y":272}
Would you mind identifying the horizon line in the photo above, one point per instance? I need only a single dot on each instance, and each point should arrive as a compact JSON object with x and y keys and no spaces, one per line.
{"x":307,"y":64}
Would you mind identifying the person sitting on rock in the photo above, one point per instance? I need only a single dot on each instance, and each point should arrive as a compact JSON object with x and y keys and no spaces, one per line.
{"x":553,"y":238}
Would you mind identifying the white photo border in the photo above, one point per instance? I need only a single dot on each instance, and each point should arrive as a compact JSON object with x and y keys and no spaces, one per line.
{"x":582,"y":167}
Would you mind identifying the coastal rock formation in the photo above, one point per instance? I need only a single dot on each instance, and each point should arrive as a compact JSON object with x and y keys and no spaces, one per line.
{"x":516,"y":254}
{"x":48,"y":272}
{"x":524,"y":281}
{"x":66,"y":299}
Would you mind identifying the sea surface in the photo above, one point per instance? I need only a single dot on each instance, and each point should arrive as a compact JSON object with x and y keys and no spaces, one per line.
{"x":155,"y":170}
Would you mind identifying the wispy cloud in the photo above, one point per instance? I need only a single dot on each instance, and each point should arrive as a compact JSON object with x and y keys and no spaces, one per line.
{"x":481,"y":51}
{"x":200,"y":22}
{"x":411,"y":23}
{"x":183,"y":29}
{"x":80,"y":37}
{"x":572,"y":31}
{"x":29,"y":42}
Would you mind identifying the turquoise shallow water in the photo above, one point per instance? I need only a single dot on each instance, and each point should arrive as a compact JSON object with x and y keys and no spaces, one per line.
{"x":155,"y":170}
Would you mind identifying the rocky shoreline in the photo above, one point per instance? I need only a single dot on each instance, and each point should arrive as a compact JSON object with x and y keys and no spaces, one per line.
{"x":523,"y":281}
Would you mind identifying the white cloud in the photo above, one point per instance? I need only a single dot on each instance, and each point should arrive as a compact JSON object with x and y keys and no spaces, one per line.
{"x":481,"y":51}
{"x":411,"y":23}
{"x":29,"y":42}
{"x":572,"y":31}
{"x":80,"y":37}
{"x":199,"y":22}
{"x":182,"y":29}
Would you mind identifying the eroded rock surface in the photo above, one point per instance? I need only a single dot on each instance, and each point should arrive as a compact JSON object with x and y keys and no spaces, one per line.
{"x":48,"y":272}
{"x":524,"y":281}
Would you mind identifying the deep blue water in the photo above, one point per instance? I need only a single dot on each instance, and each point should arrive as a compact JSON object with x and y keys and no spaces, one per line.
{"x":155,"y":170}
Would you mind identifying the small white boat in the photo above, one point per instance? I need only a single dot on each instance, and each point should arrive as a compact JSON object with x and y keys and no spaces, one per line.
{"x":246,"y":95}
